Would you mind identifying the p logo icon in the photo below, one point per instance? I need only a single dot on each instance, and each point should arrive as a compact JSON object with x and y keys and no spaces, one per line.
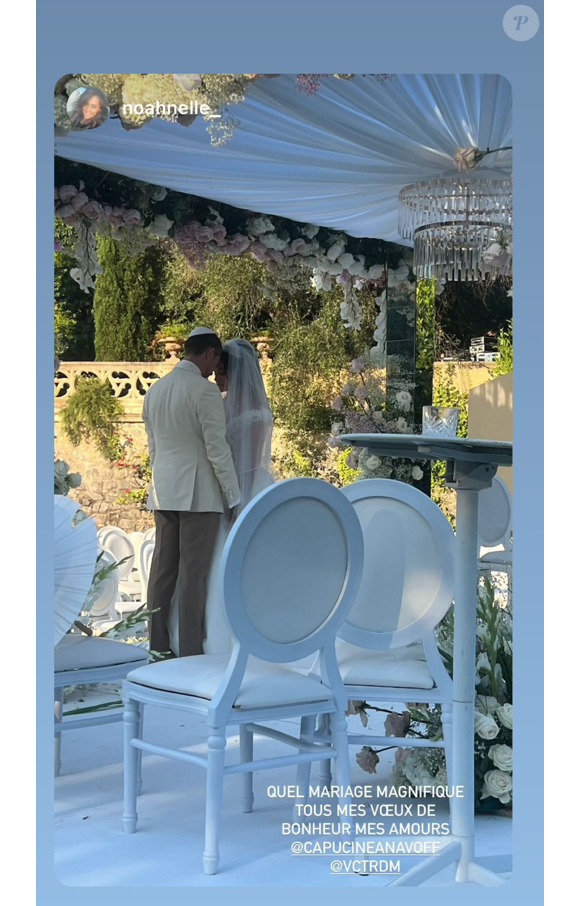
{"x":521,"y":23}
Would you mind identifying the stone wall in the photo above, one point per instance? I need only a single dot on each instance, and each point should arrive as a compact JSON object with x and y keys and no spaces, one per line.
{"x":104,"y":484}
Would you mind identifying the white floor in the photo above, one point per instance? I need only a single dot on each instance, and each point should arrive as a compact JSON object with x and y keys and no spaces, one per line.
{"x":92,"y":850}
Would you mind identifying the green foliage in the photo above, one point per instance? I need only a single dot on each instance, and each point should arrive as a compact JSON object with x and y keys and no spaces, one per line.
{"x":236,"y":296}
{"x":91,"y":414}
{"x":74,"y":329}
{"x":425,"y":324}
{"x":127,"y":302}
{"x":505,"y":345}
{"x":446,"y":394}
{"x":181,"y":299}
{"x":346,"y":475}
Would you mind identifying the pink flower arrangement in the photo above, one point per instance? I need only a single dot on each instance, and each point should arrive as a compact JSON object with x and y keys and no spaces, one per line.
{"x":203,"y":233}
{"x":219,"y":232}
{"x":65,"y":193}
{"x":79,"y":200}
{"x":131,"y":216}
{"x":92,"y":209}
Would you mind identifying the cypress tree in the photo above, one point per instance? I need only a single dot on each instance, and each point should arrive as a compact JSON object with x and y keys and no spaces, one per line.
{"x":127,"y":302}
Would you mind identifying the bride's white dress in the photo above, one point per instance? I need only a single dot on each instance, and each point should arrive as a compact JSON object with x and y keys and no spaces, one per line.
{"x":218,"y":638}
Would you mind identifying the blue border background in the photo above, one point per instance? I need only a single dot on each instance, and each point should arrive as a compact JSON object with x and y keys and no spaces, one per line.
{"x":425,"y":36}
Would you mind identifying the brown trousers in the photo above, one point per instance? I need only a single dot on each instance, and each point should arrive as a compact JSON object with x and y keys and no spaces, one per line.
{"x":184,"y":544}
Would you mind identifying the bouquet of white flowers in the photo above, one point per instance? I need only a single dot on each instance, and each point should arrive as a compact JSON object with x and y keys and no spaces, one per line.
{"x":493,"y":713}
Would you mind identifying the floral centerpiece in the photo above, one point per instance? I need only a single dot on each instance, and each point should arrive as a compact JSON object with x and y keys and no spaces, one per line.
{"x":360,"y":408}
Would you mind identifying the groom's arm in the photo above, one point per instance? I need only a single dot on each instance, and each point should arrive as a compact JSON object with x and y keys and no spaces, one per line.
{"x":149,"y":432}
{"x":212,"y":418}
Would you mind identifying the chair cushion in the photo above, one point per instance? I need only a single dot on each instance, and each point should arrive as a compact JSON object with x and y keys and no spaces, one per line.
{"x":263,"y":685}
{"x":384,"y":668}
{"x":506,"y":558}
{"x":80,"y":652}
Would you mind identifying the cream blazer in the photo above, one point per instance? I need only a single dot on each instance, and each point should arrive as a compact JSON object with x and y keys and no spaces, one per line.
{"x":191,"y":460}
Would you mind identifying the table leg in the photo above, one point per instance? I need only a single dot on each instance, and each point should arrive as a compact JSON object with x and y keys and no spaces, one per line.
{"x":462,"y":849}
{"x":462,"y":813}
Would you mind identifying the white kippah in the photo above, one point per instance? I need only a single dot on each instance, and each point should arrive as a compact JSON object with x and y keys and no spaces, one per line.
{"x":199,"y":331}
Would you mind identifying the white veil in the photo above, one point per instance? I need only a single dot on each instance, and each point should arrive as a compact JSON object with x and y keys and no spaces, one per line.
{"x":249,"y":419}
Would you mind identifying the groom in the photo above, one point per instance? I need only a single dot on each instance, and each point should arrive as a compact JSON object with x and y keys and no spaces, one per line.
{"x":192,"y":465}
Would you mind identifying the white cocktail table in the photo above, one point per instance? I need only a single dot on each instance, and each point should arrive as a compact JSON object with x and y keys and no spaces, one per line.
{"x":471,"y":466}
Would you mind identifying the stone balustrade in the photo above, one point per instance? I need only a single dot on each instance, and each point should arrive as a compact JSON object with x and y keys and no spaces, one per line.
{"x":129,"y":381}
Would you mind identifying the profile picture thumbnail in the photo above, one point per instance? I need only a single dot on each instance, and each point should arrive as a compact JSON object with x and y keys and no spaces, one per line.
{"x":87,"y":107}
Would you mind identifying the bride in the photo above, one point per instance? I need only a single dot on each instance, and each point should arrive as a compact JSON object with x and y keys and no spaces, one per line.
{"x":249,"y":434}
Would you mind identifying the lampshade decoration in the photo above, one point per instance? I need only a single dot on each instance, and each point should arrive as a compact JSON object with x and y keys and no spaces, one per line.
{"x":460,"y":224}
{"x":75,"y":555}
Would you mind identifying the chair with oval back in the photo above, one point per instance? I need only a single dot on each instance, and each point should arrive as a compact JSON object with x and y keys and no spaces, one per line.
{"x":387,"y":650}
{"x":118,"y":543}
{"x":145,"y":558}
{"x":289,"y":572}
{"x":495,"y":527}
{"x":80,"y":659}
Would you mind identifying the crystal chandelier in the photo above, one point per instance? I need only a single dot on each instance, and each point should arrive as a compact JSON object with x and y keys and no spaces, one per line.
{"x":460,"y":225}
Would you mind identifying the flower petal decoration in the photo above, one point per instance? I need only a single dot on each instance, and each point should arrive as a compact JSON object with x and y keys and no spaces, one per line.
{"x":75,"y":555}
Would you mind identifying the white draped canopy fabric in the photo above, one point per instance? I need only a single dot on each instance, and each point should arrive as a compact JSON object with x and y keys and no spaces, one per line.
{"x":336,"y":159}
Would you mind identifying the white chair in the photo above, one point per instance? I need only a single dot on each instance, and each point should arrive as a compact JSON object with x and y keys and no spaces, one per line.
{"x":145,"y":558}
{"x":136,"y":539}
{"x":388,"y":651}
{"x":290,"y":571}
{"x":149,"y":534}
{"x":101,"y":600}
{"x":495,"y":527}
{"x":118,"y":543}
{"x":80,"y":659}
{"x":144,"y":568}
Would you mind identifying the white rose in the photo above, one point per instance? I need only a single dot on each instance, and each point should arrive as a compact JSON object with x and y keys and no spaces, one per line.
{"x":335,"y":250}
{"x":466,"y":158}
{"x":273,"y":241}
{"x":399,"y":276}
{"x":259,"y":225}
{"x":309,"y":230}
{"x":334,"y":268}
{"x":376,"y":271}
{"x":161,"y":225}
{"x":498,"y":785}
{"x":372,"y":463}
{"x":346,"y":260}
{"x":74,"y":480}
{"x":188,"y":81}
{"x":335,"y":429}
{"x":486,"y":704}
{"x":404,"y":400}
{"x":482,"y":662}
{"x":367,"y":759}
{"x":502,"y":757}
{"x":505,"y":715}
{"x":417,"y":473}
{"x":401,"y":425}
{"x":485,"y":726}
